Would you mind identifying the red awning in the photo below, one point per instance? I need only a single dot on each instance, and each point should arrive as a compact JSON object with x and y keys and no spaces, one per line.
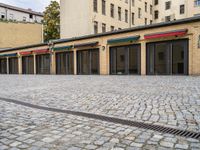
{"x":166,"y":34}
{"x":25,"y":53}
{"x":41,"y":51}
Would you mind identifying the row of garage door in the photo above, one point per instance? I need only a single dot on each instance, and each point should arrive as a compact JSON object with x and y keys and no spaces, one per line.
{"x":162,"y":58}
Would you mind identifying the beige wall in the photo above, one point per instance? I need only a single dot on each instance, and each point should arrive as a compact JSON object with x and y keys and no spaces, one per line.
{"x":78,"y":17}
{"x":19,"y":34}
{"x":193,"y":36}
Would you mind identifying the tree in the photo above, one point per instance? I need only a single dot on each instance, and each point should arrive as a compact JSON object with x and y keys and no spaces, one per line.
{"x":51,"y":21}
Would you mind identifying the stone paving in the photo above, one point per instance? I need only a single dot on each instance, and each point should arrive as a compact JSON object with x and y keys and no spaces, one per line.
{"x":164,"y":100}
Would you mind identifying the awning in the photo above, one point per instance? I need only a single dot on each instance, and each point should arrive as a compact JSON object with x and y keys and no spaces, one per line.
{"x":25,"y":53}
{"x":124,"y":40}
{"x":91,"y":44}
{"x":41,"y":51}
{"x":166,"y":34}
{"x":62,"y":48}
{"x":9,"y":55}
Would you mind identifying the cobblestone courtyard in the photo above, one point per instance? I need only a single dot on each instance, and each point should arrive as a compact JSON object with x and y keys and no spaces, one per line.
{"x":163,"y":100}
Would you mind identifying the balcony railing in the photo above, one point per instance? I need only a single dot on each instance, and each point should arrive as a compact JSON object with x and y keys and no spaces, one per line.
{"x":197,"y":3}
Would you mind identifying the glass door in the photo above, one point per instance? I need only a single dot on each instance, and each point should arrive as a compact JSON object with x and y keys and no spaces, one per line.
{"x":13,"y":65}
{"x":3,"y":66}
{"x":27,"y":65}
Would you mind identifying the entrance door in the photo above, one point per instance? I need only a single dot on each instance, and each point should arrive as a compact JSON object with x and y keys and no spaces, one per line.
{"x":65,"y":63}
{"x":88,"y":62}
{"x":43,"y":64}
{"x":3,"y":66}
{"x":125,"y":60}
{"x":28,"y":65}
{"x":167,"y":58}
{"x":13,"y":65}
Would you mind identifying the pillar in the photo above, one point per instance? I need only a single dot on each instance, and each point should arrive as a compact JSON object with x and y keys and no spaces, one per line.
{"x":20,"y":64}
{"x":143,"y":58}
{"x":75,"y":62}
{"x":53,"y":63}
{"x":34,"y":62}
{"x":7,"y":65}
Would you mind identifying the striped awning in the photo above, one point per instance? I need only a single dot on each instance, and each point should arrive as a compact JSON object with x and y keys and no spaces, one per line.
{"x":91,"y":44}
{"x":8,"y":55}
{"x":181,"y":32}
{"x":26,"y":53}
{"x":124,"y":40}
{"x":62,"y":48}
{"x":41,"y":51}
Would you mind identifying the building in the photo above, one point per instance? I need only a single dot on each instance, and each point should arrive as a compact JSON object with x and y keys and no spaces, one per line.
{"x":168,"y":10}
{"x":15,"y":34}
{"x":97,"y":16}
{"x":169,"y":48}
{"x":12,"y":13}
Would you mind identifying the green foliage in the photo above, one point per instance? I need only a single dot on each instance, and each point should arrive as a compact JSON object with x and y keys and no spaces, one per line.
{"x":51,"y":21}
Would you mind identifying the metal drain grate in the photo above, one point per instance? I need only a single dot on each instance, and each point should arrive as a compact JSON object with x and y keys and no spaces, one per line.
{"x":158,"y":128}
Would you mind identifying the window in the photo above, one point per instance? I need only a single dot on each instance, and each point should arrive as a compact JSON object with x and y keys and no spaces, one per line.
{"x":126,"y":15}
{"x":3,"y":16}
{"x":182,"y":9}
{"x":145,"y":21}
{"x":112,"y":10}
{"x":133,"y":18}
{"x":139,"y":13}
{"x":126,"y":1}
{"x":167,"y":18}
{"x":197,"y":3}
{"x":103,"y":27}
{"x":145,"y":6}
{"x":95,"y":27}
{"x":24,"y":18}
{"x":103,"y":7}
{"x":31,"y":16}
{"x":95,"y":6}
{"x":112,"y":28}
{"x":11,"y":17}
{"x":151,"y":21}
{"x":155,"y":2}
{"x":133,"y":3}
{"x":167,"y":5}
{"x":156,"y":14}
{"x":151,"y":9}
{"x":119,"y":13}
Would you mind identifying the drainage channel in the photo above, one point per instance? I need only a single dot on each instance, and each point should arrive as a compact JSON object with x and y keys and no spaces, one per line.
{"x":158,"y":128}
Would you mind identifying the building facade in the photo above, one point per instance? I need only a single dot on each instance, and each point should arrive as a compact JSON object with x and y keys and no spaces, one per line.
{"x":12,"y":13}
{"x":14,"y":34}
{"x":169,"y":48}
{"x":169,"y":10}
{"x":97,"y":16}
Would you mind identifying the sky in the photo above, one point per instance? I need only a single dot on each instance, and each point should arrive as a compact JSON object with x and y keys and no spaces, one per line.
{"x":35,"y":5}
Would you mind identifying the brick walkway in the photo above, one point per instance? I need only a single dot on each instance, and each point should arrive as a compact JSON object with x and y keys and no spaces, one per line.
{"x":167,"y":101}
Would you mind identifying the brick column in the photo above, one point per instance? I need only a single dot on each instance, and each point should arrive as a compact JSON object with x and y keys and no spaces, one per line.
{"x":53,"y":63}
{"x":7,"y":65}
{"x":20,"y":64}
{"x":34,"y":62}
{"x":143,"y":58}
{"x":75,"y":62}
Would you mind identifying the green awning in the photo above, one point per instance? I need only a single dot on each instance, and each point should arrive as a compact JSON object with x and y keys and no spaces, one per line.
{"x":62,"y":48}
{"x":123,"y":40}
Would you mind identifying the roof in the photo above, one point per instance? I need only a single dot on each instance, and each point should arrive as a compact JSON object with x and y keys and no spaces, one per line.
{"x":21,"y":9}
{"x":157,"y":25}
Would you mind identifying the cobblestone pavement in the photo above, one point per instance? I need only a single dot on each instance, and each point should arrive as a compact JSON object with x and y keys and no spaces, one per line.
{"x":167,"y":101}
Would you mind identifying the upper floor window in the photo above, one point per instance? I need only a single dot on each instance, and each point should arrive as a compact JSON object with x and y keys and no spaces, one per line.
{"x":119,"y":13}
{"x":168,"y":5}
{"x":151,"y":9}
{"x":103,"y":27}
{"x":156,"y":14}
{"x":133,"y":3}
{"x":95,"y":27}
{"x":112,"y":10}
{"x":197,"y":3}
{"x":145,"y":7}
{"x":155,"y":2}
{"x":103,"y":7}
{"x":112,"y":28}
{"x":31,"y":16}
{"x":182,"y":9}
{"x":95,"y":6}
{"x":133,"y":18}
{"x":139,"y":13}
{"x":126,"y":15}
{"x":168,"y":18}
